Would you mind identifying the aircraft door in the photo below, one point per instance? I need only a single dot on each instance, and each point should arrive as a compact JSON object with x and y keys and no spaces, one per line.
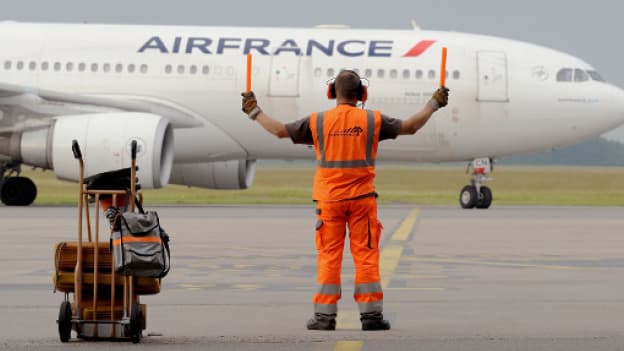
{"x":492,"y":76}
{"x":284,"y":79}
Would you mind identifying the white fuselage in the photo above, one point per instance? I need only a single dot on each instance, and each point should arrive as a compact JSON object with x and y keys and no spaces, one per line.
{"x":505,"y":97}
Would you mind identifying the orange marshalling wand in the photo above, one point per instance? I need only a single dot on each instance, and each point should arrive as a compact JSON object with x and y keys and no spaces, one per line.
{"x":248,"y":86}
{"x":443,"y":68}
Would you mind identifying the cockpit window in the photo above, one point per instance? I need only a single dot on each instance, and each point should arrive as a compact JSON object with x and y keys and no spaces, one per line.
{"x":595,"y":76}
{"x":565,"y":75}
{"x":577,"y":75}
{"x":580,"y":75}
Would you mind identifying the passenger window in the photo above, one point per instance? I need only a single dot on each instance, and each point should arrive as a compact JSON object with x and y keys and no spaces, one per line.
{"x":180,"y":69}
{"x":7,"y":65}
{"x":32,"y":66}
{"x":20,"y":65}
{"x":595,"y":76}
{"x":456,"y":75}
{"x":168,"y":69}
{"x":106,"y":68}
{"x":82,"y":66}
{"x":57,"y":66}
{"x":193,"y":69}
{"x":205,"y":70}
{"x":331,"y":73}
{"x":69,"y":67}
{"x":431,"y":74}
{"x":393,"y":73}
{"x":119,"y":68}
{"x":580,"y":75}
{"x":419,"y":74}
{"x":564,"y":75}
{"x":143,"y":68}
{"x":381,"y":73}
{"x":44,"y":66}
{"x":368,"y":72}
{"x":94,"y":67}
{"x":406,"y":74}
{"x":131,"y":68}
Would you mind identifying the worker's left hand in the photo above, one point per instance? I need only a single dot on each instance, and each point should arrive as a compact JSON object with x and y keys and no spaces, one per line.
{"x":250,"y":105}
{"x":440,"y":98}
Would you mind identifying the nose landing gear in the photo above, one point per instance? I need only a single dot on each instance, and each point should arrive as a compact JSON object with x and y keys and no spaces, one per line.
{"x":477,"y":195}
{"x":15,"y":190}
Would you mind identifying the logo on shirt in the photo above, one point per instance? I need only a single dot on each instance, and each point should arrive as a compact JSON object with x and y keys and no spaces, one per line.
{"x":350,"y":132}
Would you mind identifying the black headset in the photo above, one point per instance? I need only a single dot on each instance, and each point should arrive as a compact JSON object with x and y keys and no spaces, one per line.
{"x":362,"y":90}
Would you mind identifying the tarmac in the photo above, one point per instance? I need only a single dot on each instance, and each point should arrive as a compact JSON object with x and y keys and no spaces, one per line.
{"x":242,"y":278}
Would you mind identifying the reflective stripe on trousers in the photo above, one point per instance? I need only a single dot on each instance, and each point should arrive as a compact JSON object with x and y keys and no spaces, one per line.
{"x":369,"y":297}
{"x":326,"y":298}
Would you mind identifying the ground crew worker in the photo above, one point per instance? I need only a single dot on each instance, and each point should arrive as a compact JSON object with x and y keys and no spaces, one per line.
{"x":345,"y":139}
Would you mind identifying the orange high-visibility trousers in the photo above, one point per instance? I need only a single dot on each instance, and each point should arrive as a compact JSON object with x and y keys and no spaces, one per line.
{"x":364,"y":233}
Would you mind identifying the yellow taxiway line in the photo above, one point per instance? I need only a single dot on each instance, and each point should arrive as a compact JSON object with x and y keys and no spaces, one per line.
{"x":392,"y":251}
{"x":348,"y":345}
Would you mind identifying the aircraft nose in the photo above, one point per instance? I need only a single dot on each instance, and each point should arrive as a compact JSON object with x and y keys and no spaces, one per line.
{"x":614,"y":108}
{"x":618,"y":103}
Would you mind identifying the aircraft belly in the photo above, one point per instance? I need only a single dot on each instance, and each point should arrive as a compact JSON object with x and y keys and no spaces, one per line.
{"x":533,"y":133}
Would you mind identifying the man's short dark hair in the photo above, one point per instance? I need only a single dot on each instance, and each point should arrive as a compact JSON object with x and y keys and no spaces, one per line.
{"x":348,"y":85}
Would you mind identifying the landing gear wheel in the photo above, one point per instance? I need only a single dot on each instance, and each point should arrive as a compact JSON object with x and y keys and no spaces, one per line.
{"x":485,"y":198}
{"x":17,"y":191}
{"x":64,"y":321}
{"x":468,"y":197}
{"x":136,"y":323}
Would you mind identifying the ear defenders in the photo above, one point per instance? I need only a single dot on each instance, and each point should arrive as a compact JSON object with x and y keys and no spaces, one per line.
{"x":362,"y":90}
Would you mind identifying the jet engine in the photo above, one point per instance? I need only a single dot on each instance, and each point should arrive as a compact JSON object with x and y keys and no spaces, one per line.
{"x":234,"y":174}
{"x":105,"y":141}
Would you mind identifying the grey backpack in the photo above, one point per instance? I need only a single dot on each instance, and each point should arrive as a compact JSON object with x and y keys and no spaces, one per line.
{"x":140,"y":246}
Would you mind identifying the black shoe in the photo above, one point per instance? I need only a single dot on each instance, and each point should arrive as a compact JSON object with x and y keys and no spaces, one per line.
{"x":322,"y":322}
{"x":374,"y":321}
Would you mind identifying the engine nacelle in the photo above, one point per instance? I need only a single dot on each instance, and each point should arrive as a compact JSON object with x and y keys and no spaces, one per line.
{"x":236,"y":174}
{"x":105,"y":143}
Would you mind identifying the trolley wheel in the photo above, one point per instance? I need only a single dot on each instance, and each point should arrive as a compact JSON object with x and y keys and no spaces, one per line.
{"x":64,"y":321}
{"x":135,"y":323}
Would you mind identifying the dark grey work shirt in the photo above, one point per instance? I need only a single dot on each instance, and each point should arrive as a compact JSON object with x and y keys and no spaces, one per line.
{"x":300,"y":133}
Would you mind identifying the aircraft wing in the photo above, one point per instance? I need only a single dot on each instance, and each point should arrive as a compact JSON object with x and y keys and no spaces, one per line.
{"x":23,"y":108}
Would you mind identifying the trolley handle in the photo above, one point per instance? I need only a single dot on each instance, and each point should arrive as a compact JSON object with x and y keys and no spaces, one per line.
{"x":76,"y":150}
{"x":133,"y":149}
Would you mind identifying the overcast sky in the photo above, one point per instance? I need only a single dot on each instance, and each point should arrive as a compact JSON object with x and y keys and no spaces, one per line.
{"x":591,"y":30}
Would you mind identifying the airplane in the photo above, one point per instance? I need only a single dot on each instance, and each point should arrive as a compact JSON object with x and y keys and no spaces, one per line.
{"x":105,"y":85}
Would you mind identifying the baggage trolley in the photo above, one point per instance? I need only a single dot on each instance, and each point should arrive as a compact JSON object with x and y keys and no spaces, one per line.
{"x":105,"y":305}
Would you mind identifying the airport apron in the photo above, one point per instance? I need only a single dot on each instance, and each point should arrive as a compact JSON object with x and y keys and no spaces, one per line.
{"x":346,"y":140}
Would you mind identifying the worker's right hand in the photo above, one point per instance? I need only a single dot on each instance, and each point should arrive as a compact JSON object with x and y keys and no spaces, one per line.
{"x":440,"y":98}
{"x":250,"y":105}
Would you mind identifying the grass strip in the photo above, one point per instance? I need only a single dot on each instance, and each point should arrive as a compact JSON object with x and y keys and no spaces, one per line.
{"x":512,"y":185}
